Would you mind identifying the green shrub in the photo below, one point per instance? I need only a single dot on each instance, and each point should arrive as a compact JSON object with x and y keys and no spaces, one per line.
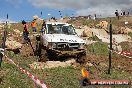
{"x":126,"y":46}
{"x":130,"y":34}
{"x":94,"y":38}
{"x":98,"y":48}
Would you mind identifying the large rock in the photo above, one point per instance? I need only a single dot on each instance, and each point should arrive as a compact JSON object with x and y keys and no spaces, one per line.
{"x":117,"y":48}
{"x":12,"y":44}
{"x":121,"y":30}
{"x":79,"y":31}
{"x":87,"y":32}
{"x":102,"y":25}
{"x":121,"y":38}
{"x":127,"y":30}
{"x":52,"y":64}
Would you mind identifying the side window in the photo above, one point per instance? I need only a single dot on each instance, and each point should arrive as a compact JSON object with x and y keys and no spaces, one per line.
{"x":65,"y":30}
{"x":50,"y":29}
{"x":72,"y":30}
{"x":69,"y":29}
{"x":46,"y":29}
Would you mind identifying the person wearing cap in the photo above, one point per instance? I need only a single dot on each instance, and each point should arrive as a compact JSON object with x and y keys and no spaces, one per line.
{"x":117,"y":14}
{"x":34,"y":24}
{"x":25,"y":32}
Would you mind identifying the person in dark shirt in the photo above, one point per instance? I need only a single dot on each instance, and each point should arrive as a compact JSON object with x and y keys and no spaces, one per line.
{"x":43,"y":26}
{"x":25,"y":32}
{"x":124,"y":13}
{"x":117,"y":14}
{"x":128,"y":13}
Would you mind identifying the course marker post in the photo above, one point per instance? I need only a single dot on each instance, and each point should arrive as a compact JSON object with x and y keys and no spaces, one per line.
{"x":110,"y":50}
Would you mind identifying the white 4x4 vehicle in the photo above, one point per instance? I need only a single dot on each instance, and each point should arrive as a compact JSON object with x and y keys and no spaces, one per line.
{"x":60,"y":39}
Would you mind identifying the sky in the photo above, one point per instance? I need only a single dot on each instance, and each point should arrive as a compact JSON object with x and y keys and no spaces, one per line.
{"x":25,"y":9}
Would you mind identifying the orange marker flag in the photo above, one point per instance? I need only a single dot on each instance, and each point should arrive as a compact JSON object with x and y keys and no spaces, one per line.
{"x":85,"y":73}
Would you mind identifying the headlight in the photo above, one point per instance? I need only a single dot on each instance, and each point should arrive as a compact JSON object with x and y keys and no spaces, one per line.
{"x":81,"y":46}
{"x":51,"y":45}
{"x":54,"y":45}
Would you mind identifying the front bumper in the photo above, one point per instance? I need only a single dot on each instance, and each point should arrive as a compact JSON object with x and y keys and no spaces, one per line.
{"x":69,"y":53}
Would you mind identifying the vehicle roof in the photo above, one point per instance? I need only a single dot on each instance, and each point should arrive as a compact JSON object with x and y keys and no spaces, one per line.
{"x":53,"y":23}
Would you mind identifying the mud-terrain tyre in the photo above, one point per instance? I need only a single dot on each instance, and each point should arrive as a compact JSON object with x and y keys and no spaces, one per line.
{"x":52,"y":55}
{"x":44,"y":56}
{"x":81,"y":58}
{"x":38,"y":51}
{"x":41,"y":54}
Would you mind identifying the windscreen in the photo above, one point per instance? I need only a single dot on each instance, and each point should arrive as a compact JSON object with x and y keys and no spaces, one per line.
{"x":61,"y":29}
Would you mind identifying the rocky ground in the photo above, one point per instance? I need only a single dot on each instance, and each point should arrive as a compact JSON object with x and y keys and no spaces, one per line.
{"x":97,"y":64}
{"x":26,"y":49}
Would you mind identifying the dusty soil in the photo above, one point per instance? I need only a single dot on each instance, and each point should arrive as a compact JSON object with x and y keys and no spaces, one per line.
{"x":98,"y":65}
{"x":98,"y":62}
{"x":52,"y":64}
{"x":126,"y":46}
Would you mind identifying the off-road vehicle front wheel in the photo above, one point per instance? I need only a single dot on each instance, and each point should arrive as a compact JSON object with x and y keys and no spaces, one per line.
{"x":81,"y":58}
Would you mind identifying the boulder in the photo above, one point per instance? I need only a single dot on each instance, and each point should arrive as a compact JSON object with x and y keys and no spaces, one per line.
{"x":127,"y":30}
{"x":52,"y":64}
{"x":12,"y":44}
{"x":87,"y":32}
{"x":102,"y":25}
{"x":116,"y":48}
{"x":124,"y":30}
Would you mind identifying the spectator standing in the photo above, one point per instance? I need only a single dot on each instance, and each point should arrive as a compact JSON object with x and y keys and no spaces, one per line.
{"x":117,"y":14}
{"x":128,"y":13}
{"x":34,"y":24}
{"x":121,"y":13}
{"x":124,"y":13}
{"x":43,"y":26}
{"x":25,"y":32}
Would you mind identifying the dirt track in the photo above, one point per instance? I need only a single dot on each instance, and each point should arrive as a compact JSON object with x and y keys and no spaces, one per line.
{"x":97,"y":62}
